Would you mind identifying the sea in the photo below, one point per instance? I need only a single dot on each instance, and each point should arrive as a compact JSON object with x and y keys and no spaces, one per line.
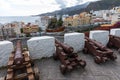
{"x":25,"y":19}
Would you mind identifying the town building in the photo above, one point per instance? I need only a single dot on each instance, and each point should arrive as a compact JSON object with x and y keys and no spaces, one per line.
{"x":68,"y":21}
{"x":7,"y":31}
{"x":85,"y":18}
{"x":115,"y":18}
{"x":115,"y":9}
{"x":76,"y":20}
{"x":64,"y":16}
{"x":17,"y":28}
{"x":30,"y":29}
{"x":44,"y":22}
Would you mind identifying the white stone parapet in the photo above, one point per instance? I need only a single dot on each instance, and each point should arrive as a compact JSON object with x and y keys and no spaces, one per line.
{"x":115,"y":32}
{"x":101,"y":36}
{"x":6,"y":47}
{"x":40,"y":47}
{"x":75,"y":40}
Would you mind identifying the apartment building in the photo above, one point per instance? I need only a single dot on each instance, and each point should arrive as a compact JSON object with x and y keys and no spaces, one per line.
{"x":115,"y":18}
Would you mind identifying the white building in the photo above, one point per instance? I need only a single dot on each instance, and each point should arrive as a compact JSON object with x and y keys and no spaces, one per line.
{"x":58,"y":17}
{"x":8,"y":30}
{"x":115,"y":18}
{"x":115,"y":9}
{"x":100,"y":13}
{"x":17,"y":27}
{"x":107,"y":16}
{"x":44,"y":21}
{"x":64,"y":16}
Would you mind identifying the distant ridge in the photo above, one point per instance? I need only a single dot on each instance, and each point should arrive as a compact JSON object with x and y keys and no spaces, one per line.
{"x":98,"y":5}
{"x":66,"y":10}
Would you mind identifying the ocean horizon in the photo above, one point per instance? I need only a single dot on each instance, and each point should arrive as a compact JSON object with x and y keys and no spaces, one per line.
{"x":25,"y":19}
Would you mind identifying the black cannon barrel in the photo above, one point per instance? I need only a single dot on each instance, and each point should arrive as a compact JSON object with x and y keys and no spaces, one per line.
{"x":101,"y":46}
{"x":66,"y":48}
{"x":18,"y":59}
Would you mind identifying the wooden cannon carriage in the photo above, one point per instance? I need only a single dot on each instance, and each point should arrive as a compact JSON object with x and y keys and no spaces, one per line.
{"x":100,"y":52}
{"x":114,"y":41}
{"x":68,"y":59}
{"x":20,"y":65}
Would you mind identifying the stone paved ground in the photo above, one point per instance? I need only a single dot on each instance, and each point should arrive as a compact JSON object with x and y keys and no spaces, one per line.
{"x":2,"y":73}
{"x":49,"y":70}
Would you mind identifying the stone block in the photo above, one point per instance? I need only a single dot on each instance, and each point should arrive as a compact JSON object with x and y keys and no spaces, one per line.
{"x":101,"y":36}
{"x":6,"y":47}
{"x":115,"y":32}
{"x":75,"y":40}
{"x":40,"y":47}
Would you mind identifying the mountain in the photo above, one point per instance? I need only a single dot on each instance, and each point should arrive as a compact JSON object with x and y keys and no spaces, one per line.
{"x":97,"y":5}
{"x":66,"y":10}
{"x":102,"y":5}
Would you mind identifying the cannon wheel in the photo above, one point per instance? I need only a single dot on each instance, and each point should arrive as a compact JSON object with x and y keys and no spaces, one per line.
{"x":63,"y":69}
{"x":85,"y":50}
{"x":83,"y":64}
{"x":97,"y":60}
{"x":55,"y":57}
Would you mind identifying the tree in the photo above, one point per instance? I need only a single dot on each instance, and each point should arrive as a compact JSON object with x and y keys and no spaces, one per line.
{"x":52,"y":23}
{"x":21,"y":30}
{"x":60,"y":22}
{"x":40,"y":30}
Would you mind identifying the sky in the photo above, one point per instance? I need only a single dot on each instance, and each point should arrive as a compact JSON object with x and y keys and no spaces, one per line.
{"x":34,"y":7}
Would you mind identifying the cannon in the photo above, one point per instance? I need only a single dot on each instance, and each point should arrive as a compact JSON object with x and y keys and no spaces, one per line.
{"x":20,"y":65}
{"x":65,"y":47}
{"x":114,"y":41}
{"x":69,"y":61}
{"x":100,"y":52}
{"x":18,"y":59}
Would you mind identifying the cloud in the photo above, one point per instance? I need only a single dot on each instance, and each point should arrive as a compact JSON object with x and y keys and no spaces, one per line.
{"x":33,"y":7}
{"x":70,"y":3}
{"x":4,"y":5}
{"x":32,"y":2}
{"x":26,"y":7}
{"x":61,"y":3}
